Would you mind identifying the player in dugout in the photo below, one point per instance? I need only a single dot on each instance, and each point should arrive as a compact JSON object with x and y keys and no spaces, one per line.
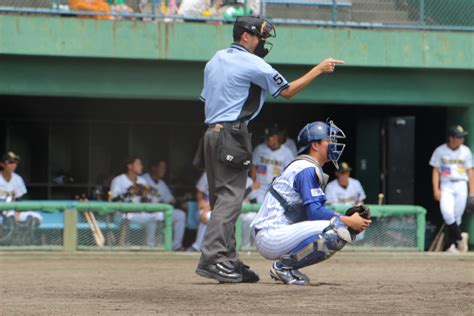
{"x":293,"y":226}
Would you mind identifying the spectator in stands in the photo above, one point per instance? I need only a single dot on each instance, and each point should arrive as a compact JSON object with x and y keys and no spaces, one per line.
{"x":12,"y":188}
{"x":155,"y":180}
{"x":161,"y":7}
{"x":120,"y":7}
{"x":131,"y":187}
{"x":286,"y":141}
{"x":193,"y":8}
{"x":93,"y":6}
{"x":344,"y":190}
{"x":268,"y":161}
{"x":202,"y":197}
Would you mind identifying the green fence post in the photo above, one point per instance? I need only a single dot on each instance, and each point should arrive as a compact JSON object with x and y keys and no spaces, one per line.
{"x":70,"y":230}
{"x":169,"y":228}
{"x":420,"y":230}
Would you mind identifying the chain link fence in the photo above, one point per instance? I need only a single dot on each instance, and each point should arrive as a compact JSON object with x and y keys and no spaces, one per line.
{"x":390,"y":233}
{"x":421,"y":14}
{"x":72,"y":225}
{"x":394,"y":227}
{"x":108,"y":226}
{"x":115,"y":231}
{"x":110,"y":231}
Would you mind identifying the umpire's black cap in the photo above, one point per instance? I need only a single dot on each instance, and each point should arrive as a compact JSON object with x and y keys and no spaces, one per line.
{"x":255,"y":25}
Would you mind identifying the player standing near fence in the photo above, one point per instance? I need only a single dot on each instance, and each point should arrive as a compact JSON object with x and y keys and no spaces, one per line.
{"x":452,"y":172}
{"x":236,"y":81}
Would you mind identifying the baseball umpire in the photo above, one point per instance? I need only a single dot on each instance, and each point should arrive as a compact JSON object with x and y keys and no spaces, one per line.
{"x":236,"y":81}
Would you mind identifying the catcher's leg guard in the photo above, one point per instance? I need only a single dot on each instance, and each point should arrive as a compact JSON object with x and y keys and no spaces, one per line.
{"x":320,"y":247}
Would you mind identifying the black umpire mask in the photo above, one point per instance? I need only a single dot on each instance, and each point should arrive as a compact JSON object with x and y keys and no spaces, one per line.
{"x":261,"y":50}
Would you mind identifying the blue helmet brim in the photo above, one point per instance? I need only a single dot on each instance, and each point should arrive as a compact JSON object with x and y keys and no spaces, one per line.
{"x":302,"y":150}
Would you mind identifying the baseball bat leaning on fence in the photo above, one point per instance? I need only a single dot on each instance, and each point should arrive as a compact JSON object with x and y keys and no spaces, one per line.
{"x":437,"y":243}
{"x":94,"y":226}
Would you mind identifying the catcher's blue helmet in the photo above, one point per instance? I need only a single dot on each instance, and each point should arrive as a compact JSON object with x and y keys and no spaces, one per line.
{"x":318,"y":131}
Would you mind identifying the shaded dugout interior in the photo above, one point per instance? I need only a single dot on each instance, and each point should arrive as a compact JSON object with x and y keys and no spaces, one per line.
{"x":71,"y":146}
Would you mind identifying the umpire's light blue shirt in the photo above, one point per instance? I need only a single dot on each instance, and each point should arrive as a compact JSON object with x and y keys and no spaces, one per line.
{"x":236,"y":83}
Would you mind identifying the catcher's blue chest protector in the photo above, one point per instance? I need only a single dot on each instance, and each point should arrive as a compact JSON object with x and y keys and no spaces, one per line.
{"x":295,"y":212}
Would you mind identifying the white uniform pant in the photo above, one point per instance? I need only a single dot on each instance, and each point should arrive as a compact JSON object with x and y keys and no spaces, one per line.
{"x":199,"y":236}
{"x":272,"y":243}
{"x":149,"y":220}
{"x":247,"y":236}
{"x":453,"y":201}
{"x":24,"y":215}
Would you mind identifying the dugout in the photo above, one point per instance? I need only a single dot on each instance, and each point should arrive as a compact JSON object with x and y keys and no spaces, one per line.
{"x":80,"y":104}
{"x":87,"y":139}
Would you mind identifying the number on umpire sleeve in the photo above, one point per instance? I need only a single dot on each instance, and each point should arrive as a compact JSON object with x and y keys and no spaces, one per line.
{"x":278,"y":79}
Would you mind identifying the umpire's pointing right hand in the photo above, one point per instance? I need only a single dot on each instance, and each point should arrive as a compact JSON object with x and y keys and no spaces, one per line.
{"x":328,"y":65}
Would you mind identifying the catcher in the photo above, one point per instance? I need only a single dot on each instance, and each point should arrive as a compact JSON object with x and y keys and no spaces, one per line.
{"x":293,"y":226}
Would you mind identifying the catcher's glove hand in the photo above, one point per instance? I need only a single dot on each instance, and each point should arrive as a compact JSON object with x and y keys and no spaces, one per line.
{"x":363,"y":211}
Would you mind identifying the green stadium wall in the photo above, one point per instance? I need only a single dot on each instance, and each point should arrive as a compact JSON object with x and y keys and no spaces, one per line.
{"x":63,"y":56}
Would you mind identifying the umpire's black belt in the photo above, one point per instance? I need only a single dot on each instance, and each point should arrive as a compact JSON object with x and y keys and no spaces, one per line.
{"x":235,"y":125}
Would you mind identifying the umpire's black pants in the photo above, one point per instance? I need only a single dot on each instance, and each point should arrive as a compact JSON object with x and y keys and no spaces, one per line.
{"x":226,"y":194}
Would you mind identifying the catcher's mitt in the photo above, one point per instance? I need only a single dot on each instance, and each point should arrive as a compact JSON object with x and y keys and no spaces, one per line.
{"x":363,"y":211}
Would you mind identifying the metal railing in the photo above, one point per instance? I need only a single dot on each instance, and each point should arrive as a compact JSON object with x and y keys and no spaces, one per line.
{"x":452,"y":15}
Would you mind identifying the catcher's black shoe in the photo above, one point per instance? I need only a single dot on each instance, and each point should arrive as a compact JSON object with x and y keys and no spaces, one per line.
{"x":248,"y":275}
{"x":224,"y":272}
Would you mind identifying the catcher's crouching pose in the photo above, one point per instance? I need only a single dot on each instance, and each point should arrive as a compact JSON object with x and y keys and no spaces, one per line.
{"x":293,"y":226}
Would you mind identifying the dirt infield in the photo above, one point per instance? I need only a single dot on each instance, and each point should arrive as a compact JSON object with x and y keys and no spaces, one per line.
{"x":149,"y":283}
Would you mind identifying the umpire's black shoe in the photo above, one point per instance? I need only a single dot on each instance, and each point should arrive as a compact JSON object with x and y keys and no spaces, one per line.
{"x":223,"y":272}
{"x":248,"y":275}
